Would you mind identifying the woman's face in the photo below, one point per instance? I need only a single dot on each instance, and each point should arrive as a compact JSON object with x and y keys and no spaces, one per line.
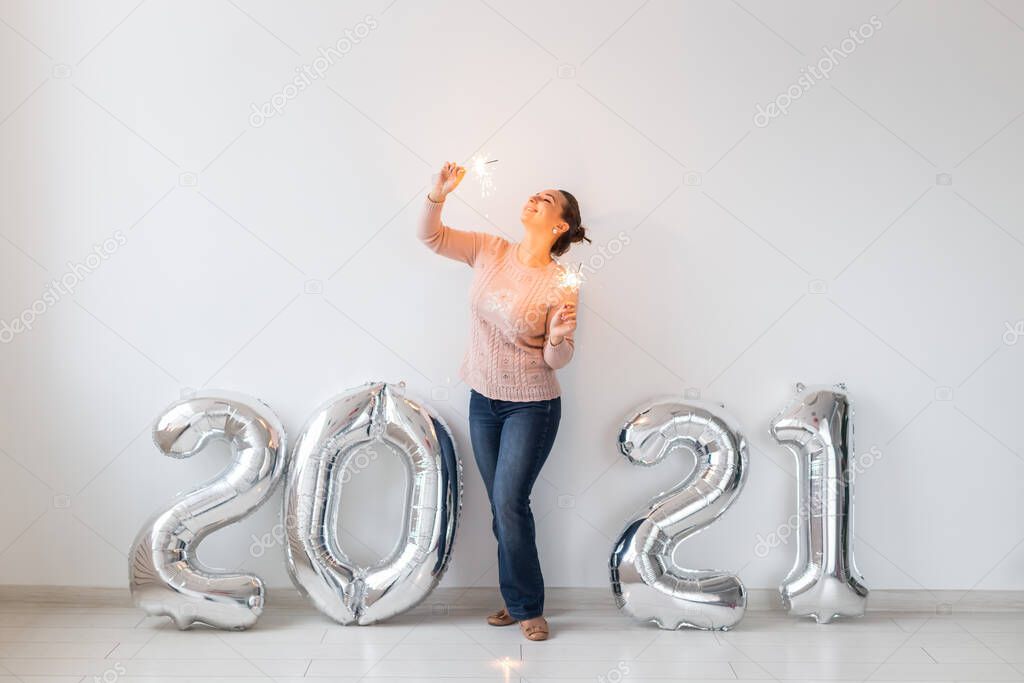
{"x":543,"y":211}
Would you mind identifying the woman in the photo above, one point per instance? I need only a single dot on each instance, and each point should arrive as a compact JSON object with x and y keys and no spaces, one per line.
{"x":523,"y":319}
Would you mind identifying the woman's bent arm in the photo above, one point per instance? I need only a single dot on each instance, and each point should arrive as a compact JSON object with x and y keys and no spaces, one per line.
{"x":460,"y":245}
{"x":558,"y":356}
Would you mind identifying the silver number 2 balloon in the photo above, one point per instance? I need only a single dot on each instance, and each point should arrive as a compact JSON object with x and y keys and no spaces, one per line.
{"x":166,"y":577}
{"x":817,"y":427}
{"x":646,"y":581}
{"x":361,"y":418}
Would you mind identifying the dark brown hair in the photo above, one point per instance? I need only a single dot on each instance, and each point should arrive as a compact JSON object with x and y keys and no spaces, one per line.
{"x":576,"y":231}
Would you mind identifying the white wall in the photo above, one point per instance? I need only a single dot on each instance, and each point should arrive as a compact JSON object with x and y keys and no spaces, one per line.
{"x":825,"y":246}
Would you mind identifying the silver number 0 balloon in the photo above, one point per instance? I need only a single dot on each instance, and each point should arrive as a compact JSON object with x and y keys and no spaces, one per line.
{"x":375,"y":413}
{"x":646,"y":581}
{"x":165,"y":575}
{"x":817,"y":427}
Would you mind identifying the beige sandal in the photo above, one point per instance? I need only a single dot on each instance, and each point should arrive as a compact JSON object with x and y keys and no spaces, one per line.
{"x":535,"y":631}
{"x":500,"y":618}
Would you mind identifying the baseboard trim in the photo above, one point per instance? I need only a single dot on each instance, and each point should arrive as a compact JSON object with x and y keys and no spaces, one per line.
{"x":454,"y":599}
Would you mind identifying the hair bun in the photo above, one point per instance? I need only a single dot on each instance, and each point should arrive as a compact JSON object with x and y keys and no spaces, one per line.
{"x":576,"y":232}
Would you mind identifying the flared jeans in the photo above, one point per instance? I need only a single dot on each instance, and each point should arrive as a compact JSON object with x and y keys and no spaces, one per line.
{"x":511,"y":441}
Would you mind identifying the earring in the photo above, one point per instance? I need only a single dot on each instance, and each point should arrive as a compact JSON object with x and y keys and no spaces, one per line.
{"x":554,"y":231}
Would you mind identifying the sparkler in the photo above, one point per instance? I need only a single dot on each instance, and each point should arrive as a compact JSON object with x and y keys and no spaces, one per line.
{"x":484,"y":173}
{"x":571,"y":278}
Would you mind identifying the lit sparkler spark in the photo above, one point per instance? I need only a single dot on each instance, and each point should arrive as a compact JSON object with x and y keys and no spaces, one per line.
{"x":571,"y":278}
{"x":484,"y":173}
{"x":507,"y":665}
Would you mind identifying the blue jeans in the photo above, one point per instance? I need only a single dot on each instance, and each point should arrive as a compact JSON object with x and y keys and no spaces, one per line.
{"x":511,"y":440}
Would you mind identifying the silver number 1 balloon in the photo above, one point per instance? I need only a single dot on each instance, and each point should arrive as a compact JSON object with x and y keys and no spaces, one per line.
{"x":646,"y":581}
{"x":166,"y":577}
{"x":371,"y":416}
{"x":817,"y":427}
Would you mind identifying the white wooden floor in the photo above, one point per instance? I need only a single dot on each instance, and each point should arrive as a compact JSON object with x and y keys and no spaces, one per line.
{"x":589,"y":643}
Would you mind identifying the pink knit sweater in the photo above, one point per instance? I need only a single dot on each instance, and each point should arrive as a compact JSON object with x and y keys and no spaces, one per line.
{"x":509,"y":357}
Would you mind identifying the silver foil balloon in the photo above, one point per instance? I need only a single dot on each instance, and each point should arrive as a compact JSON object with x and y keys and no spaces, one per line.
{"x":817,"y":427}
{"x":165,"y":576}
{"x":646,"y":581}
{"x":365,"y":417}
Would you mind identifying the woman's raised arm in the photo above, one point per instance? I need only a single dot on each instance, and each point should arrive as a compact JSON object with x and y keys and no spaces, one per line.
{"x":461,"y":245}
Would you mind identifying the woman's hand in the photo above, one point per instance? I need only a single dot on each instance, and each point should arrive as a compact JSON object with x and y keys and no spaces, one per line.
{"x":447,"y":180}
{"x":563,"y":322}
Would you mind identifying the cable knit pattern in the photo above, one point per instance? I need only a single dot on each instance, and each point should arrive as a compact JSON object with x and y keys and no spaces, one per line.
{"x":511,"y":304}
